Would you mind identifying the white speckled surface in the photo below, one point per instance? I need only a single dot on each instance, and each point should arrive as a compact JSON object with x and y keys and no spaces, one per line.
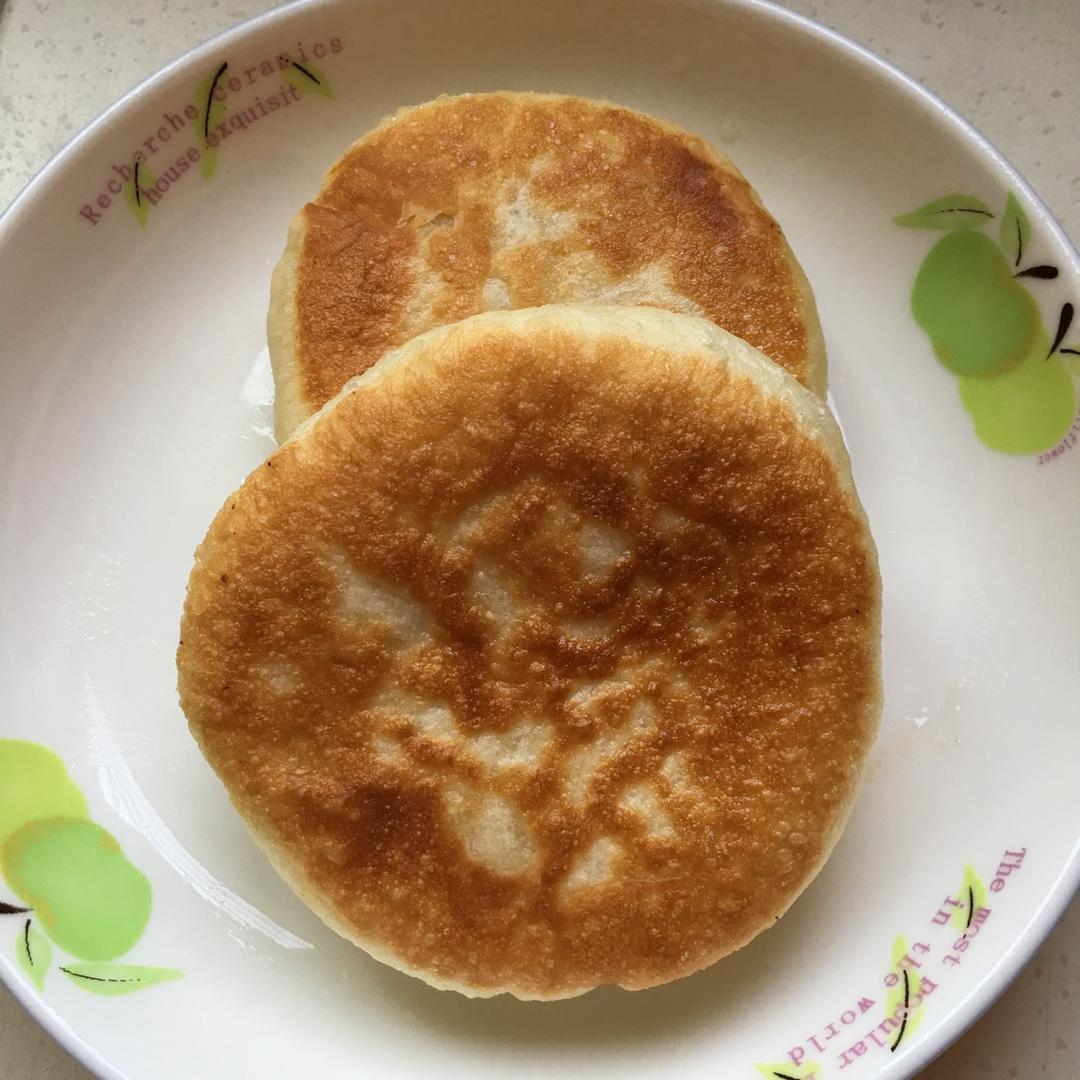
{"x":1009,"y":66}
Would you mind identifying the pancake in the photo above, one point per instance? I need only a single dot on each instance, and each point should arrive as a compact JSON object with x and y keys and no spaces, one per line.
{"x":546,"y":655}
{"x":499,"y":201}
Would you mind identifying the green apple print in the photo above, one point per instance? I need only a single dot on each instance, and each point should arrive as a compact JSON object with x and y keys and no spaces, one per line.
{"x":34,"y":784}
{"x":88,"y":898}
{"x":1026,"y":410}
{"x":78,"y":891}
{"x":984,"y":326}
{"x":980,"y":320}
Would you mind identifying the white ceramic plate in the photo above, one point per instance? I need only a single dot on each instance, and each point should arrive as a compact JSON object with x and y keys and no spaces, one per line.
{"x":134,"y":396}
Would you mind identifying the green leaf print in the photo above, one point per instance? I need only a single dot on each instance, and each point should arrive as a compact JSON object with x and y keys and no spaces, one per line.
{"x":113,"y":979}
{"x":34,"y":951}
{"x":899,"y":1007}
{"x":784,"y":1070}
{"x":1014,"y":231}
{"x":947,"y":214}
{"x":311,"y":79}
{"x":138,"y":202}
{"x":972,"y":896}
{"x":212,"y":110}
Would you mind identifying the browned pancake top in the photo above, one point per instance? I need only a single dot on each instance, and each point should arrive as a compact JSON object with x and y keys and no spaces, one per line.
{"x":543,"y":659}
{"x":494,"y":201}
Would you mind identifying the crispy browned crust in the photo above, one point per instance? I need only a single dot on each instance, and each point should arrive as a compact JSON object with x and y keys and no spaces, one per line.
{"x":743,"y":616}
{"x":410,"y":231}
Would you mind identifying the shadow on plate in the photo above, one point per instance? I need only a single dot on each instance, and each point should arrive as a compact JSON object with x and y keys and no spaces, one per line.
{"x":736,"y":986}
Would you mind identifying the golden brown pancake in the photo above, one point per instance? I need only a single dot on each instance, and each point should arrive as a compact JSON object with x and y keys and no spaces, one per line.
{"x":547,"y":654}
{"x":498,"y":201}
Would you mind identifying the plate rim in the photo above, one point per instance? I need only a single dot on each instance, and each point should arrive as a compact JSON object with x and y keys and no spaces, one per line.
{"x":1066,"y":885}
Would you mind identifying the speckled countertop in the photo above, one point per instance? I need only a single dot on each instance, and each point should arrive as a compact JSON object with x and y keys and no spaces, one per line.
{"x":1009,"y":66}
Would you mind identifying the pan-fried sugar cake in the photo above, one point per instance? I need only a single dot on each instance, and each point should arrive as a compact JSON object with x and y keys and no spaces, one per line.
{"x":547,"y":654}
{"x":495,"y":201}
